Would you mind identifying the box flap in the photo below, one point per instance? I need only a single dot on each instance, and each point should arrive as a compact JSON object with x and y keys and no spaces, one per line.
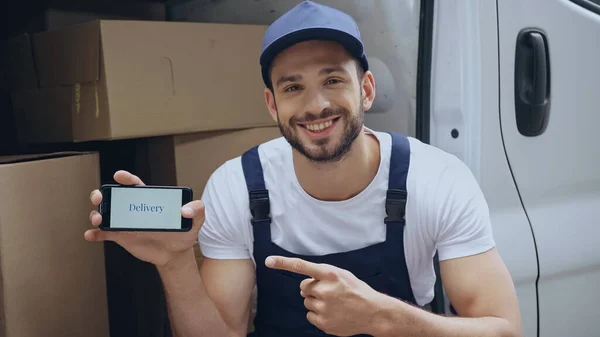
{"x":13,"y":159}
{"x":68,"y":56}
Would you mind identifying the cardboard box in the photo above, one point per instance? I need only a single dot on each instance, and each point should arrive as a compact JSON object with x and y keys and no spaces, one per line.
{"x":189,"y":160}
{"x":58,"y":18}
{"x":107,"y":80}
{"x":53,"y":281}
{"x":19,"y":67}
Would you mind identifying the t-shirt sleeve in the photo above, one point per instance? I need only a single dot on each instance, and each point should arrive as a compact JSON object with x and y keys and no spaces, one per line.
{"x":222,"y":234}
{"x":461,"y":215}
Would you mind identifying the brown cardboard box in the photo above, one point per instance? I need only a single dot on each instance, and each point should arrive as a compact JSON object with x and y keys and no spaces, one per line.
{"x":19,"y":66}
{"x":53,"y":281}
{"x":130,"y":79}
{"x":58,"y":18}
{"x":189,"y":160}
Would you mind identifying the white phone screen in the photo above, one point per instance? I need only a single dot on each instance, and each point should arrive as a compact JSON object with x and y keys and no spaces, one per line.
{"x":145,"y":208}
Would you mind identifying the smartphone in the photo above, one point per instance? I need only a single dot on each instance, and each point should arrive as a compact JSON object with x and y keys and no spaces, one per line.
{"x":144,"y":208}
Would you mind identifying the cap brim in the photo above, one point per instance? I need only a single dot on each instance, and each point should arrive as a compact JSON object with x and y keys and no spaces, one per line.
{"x":349,"y":42}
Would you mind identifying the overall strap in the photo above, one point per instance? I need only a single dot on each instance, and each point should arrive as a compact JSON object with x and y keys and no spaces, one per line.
{"x":260,"y":207}
{"x":395,"y":203}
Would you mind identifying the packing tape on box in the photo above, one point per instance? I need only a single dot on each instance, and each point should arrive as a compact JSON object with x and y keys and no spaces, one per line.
{"x":78,"y":98}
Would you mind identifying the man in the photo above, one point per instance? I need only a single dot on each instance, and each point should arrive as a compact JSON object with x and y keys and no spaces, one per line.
{"x":334,"y":223}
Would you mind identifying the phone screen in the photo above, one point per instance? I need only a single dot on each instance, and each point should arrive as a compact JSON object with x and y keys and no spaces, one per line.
{"x":145,"y":208}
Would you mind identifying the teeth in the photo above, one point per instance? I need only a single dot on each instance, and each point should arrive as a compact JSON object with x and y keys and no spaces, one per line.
{"x":319,"y":127}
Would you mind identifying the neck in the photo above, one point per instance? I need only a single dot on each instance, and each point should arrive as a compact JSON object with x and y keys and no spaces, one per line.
{"x":343,"y":179}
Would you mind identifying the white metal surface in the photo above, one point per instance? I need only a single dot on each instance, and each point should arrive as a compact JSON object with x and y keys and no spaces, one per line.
{"x":465,"y":97}
{"x":558,"y":172}
{"x":456,"y":81}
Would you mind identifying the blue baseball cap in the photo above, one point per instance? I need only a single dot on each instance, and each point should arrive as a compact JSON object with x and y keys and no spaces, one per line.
{"x":311,"y":21}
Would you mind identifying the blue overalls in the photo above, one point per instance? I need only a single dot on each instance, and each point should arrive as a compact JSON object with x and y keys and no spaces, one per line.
{"x":280,"y":308}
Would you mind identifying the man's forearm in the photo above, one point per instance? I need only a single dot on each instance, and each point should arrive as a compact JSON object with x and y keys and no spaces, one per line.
{"x":191,"y":311}
{"x":398,"y":319}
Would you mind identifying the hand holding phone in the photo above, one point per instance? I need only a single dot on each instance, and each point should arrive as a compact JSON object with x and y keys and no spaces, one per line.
{"x":156,"y":242}
{"x":144,"y":208}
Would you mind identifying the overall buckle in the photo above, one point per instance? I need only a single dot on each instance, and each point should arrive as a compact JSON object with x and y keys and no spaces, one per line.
{"x":260,"y":206}
{"x":395,"y":205}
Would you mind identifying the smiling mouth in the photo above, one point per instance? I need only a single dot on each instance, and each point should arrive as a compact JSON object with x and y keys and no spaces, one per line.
{"x":319,"y":126}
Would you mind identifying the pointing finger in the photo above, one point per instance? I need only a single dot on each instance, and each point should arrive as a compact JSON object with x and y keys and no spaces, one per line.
{"x":299,"y":266}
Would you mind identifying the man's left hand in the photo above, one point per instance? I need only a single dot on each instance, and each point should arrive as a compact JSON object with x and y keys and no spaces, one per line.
{"x":338,"y":302}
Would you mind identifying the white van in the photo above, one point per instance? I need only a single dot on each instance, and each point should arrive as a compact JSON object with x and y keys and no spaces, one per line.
{"x":512,"y":88}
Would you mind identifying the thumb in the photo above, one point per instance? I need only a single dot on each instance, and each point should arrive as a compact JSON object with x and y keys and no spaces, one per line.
{"x":125,"y":178}
{"x":194,"y":210}
{"x":99,"y":235}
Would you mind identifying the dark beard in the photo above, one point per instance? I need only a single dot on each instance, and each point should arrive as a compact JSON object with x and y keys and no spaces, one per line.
{"x":352,"y":130}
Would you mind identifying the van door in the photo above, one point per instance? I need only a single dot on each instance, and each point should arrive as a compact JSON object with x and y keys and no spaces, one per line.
{"x":549,"y":87}
{"x":464,"y":120}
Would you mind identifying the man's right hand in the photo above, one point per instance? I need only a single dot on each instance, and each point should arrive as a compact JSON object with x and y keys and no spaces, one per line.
{"x":153,"y":247}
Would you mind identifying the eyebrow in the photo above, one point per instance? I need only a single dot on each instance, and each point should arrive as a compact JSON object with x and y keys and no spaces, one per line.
{"x":291,"y":78}
{"x":324,"y":71}
{"x":333,"y":69}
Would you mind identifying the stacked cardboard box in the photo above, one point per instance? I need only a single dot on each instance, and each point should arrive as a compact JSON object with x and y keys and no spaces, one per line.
{"x":59,"y":16}
{"x":16,"y":72}
{"x":112,"y":79}
{"x":189,"y":96}
{"x":53,"y":282}
{"x":190,"y":159}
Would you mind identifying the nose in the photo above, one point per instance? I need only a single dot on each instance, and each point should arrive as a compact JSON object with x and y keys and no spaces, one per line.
{"x":316,"y":102}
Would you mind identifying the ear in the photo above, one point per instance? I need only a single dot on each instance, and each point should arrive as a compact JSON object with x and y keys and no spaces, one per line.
{"x":368,"y":90}
{"x":271,"y":105}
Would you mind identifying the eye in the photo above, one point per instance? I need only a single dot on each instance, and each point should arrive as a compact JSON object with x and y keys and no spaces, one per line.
{"x":332,"y":81}
{"x":291,"y":88}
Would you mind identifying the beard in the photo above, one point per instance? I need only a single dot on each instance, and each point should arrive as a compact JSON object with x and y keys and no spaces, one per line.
{"x":326,"y":150}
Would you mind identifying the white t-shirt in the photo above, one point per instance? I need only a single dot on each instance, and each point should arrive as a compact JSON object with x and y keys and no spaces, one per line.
{"x":445,"y":210}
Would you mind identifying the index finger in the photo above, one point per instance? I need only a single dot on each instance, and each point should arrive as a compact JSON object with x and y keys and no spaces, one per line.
{"x":299,"y":266}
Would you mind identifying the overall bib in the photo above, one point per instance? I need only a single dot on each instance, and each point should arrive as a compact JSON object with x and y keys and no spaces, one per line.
{"x":280,"y":308}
